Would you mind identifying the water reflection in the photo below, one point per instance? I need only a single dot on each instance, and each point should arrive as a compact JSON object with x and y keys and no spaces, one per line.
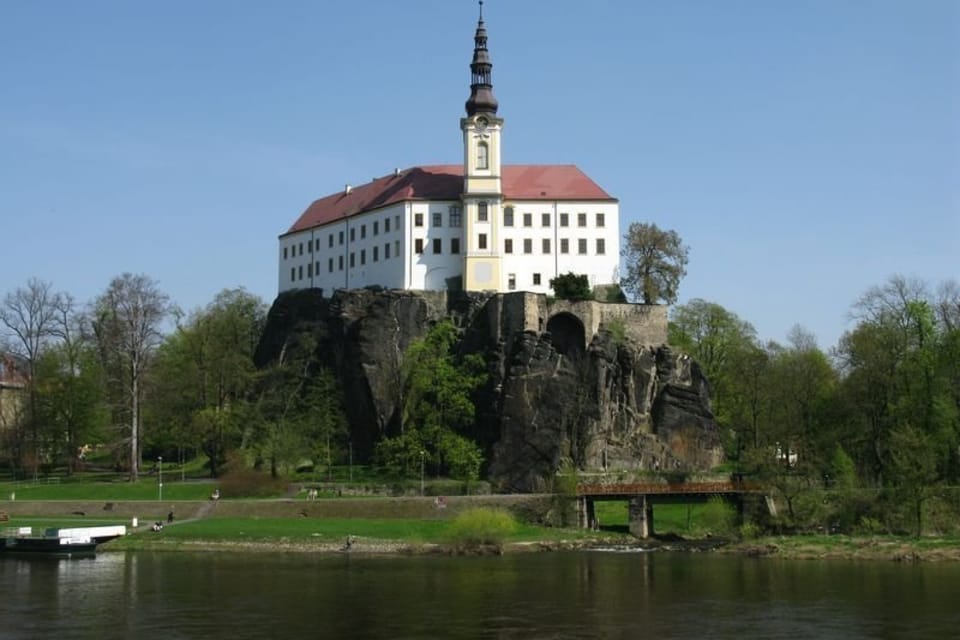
{"x":576,"y":595}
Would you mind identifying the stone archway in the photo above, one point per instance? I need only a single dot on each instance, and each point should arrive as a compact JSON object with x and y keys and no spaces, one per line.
{"x":567,"y":334}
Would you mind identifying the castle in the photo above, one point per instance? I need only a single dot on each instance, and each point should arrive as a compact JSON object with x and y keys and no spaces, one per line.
{"x":477,"y":226}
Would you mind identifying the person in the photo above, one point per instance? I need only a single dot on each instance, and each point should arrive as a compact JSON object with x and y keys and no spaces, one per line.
{"x":215,"y":495}
{"x":157,"y":526}
{"x":170,"y":516}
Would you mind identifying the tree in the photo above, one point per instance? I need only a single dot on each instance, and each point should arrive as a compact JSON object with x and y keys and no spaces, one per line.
{"x":656,"y":261}
{"x":29,"y":314}
{"x":438,"y":409}
{"x":126,"y":321}
{"x":204,"y":374}
{"x":571,"y":286}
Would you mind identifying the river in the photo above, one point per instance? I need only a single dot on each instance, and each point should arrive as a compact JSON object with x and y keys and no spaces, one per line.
{"x":524,"y":596}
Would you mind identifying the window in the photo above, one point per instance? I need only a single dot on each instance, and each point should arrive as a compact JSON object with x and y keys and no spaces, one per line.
{"x":454,"y":245}
{"x":601,"y":246}
{"x":363,"y":231}
{"x":512,"y":281}
{"x":544,"y":219}
{"x":293,"y":274}
{"x":527,"y":245}
{"x":528,"y":219}
{"x":310,"y":270}
{"x":418,"y":245}
{"x":396,"y":224}
{"x":330,"y":265}
{"x":582,"y":246}
{"x":455,"y":213}
{"x":341,"y":238}
{"x":353,"y":259}
{"x":316,"y":268}
{"x":546,"y":245}
{"x":316,"y":242}
{"x":310,"y":247}
{"x":376,"y":227}
{"x":363,"y":256}
{"x":284,"y":253}
{"x":508,"y":245}
{"x":301,"y":248}
{"x":508,"y":217}
{"x":396,"y":248}
{"x":330,"y":244}
{"x":353,"y":234}
{"x":376,"y":254}
{"x":437,"y":245}
{"x":601,"y":220}
{"x":437,"y":219}
{"x":386,"y":251}
{"x":564,"y":245}
{"x":482,"y":211}
{"x":418,"y":219}
{"x":300,"y":269}
{"x":564,"y":219}
{"x":340,"y":263}
{"x":536,"y":279}
{"x":386,"y":225}
{"x":483,"y":156}
{"x":581,"y":219}
{"x":482,"y":241}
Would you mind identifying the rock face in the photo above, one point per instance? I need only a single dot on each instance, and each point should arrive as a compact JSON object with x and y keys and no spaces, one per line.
{"x":589,"y":383}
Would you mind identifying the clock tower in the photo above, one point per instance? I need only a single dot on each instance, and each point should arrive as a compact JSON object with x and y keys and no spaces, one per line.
{"x":482,"y":190}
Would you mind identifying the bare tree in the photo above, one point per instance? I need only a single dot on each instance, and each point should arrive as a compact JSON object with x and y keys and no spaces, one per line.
{"x":126,"y":321}
{"x":29,"y":315}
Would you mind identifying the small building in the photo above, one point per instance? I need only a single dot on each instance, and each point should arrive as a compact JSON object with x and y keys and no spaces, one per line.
{"x":480,"y":226}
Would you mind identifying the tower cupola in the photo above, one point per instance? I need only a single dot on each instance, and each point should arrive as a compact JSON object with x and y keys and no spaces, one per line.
{"x":481,"y":98}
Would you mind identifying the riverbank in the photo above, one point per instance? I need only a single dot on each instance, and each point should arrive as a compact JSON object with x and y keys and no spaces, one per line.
{"x":840,"y":547}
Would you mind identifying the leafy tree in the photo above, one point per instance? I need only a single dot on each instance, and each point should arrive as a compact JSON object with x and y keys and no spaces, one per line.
{"x":126,"y":320}
{"x":656,"y":261}
{"x":914,"y":465}
{"x":571,"y":286}
{"x":204,"y":375}
{"x":437,"y":405}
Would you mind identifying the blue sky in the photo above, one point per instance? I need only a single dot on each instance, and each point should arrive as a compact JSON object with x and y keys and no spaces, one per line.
{"x":804,"y":150}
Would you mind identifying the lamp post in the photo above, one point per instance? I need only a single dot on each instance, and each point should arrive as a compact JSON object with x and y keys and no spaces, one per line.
{"x":422,"y":454}
{"x":160,"y":476}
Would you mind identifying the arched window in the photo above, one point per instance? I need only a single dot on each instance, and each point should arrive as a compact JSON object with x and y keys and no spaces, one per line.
{"x":483,"y":156}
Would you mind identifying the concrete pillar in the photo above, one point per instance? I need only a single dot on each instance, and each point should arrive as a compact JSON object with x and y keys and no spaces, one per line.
{"x":591,"y":514}
{"x":640,"y":517}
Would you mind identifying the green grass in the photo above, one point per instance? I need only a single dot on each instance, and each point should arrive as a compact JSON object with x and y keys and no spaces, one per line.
{"x":686,"y":520}
{"x":328,"y":530}
{"x":145,"y":489}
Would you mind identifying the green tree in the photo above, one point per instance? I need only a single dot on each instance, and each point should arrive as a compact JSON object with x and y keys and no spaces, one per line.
{"x":437,"y":405}
{"x":914,"y":465}
{"x":656,"y":261}
{"x":571,"y":286}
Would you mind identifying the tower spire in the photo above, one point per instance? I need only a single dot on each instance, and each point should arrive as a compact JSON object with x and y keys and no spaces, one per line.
{"x":481,"y":98}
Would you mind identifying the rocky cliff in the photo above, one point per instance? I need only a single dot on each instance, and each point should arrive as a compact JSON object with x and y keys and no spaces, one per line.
{"x":589,"y":383}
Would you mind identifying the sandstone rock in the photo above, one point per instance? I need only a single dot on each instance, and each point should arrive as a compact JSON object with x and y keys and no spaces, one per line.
{"x":591,"y":383}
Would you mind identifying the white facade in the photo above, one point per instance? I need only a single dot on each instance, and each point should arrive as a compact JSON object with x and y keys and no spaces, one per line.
{"x":496,"y":227}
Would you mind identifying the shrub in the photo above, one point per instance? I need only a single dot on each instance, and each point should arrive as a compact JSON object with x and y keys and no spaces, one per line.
{"x":247,"y":483}
{"x":750,"y":531}
{"x":571,"y":286}
{"x":718,"y":518}
{"x":476,"y":528}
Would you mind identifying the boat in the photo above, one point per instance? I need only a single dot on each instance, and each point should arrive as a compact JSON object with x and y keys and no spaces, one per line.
{"x":76,"y":541}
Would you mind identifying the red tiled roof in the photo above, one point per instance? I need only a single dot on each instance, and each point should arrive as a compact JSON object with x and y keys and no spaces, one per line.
{"x":445,"y":182}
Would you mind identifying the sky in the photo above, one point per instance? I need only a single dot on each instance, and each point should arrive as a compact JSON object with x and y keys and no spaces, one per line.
{"x":804,"y":150}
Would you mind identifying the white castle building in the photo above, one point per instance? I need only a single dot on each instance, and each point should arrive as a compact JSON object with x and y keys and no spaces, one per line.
{"x":479,"y":226}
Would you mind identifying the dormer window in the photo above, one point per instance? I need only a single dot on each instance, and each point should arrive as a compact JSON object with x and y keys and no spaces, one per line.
{"x":483,"y":156}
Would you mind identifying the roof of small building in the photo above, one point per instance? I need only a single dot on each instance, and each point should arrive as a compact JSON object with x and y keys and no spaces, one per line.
{"x":445,"y":182}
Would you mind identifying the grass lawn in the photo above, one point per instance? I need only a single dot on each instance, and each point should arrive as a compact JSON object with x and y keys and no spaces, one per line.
{"x":144,"y":489}
{"x":681,"y":519}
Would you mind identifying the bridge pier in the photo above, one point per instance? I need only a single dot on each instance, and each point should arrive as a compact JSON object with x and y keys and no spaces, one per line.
{"x":586,"y":513}
{"x":640,"y":516}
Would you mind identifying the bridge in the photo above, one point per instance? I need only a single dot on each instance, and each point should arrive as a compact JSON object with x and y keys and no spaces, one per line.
{"x":641,"y":496}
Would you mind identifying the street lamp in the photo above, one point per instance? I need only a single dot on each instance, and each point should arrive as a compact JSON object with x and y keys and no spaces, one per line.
{"x":160,"y":476}
{"x":422,"y":454}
